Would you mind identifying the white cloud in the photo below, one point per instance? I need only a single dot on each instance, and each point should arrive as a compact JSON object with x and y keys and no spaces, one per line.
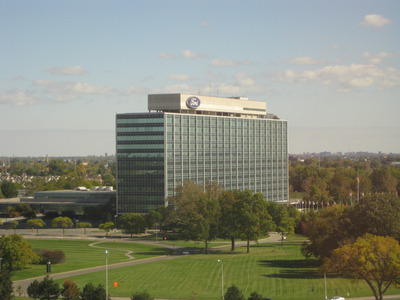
{"x":17,"y":97}
{"x":177,"y":88}
{"x":243,"y":80}
{"x":72,"y":87}
{"x":68,"y":70}
{"x":229,"y":63}
{"x":364,"y":81}
{"x":86,"y":88}
{"x":65,"y":98}
{"x":345,"y":77}
{"x":165,"y":55}
{"x":375,"y":20}
{"x":180,"y":77}
{"x":190,"y":54}
{"x":377,"y":58}
{"x":303,"y":60}
{"x":131,"y":90}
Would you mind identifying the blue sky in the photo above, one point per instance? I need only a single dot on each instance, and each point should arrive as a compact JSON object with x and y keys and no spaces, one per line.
{"x":331,"y":68}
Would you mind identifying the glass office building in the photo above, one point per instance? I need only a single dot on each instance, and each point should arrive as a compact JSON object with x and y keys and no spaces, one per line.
{"x":227,"y":140}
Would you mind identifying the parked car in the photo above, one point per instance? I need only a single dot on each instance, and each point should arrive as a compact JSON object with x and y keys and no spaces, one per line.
{"x":336,"y":298}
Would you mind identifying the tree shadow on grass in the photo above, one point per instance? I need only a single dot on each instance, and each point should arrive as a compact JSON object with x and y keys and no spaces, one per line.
{"x":292,"y":269}
{"x":156,"y":251}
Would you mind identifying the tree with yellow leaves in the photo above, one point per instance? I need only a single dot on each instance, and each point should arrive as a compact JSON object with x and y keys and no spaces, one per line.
{"x":375,"y":259}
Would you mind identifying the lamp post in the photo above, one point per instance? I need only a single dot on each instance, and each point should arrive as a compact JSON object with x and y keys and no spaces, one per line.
{"x":222,"y":279}
{"x":106,"y":253}
{"x":0,"y":263}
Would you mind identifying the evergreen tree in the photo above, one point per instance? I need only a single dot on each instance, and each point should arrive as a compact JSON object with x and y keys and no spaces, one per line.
{"x":90,"y":292}
{"x":33,"y":289}
{"x":233,"y":293}
{"x":6,"y":287}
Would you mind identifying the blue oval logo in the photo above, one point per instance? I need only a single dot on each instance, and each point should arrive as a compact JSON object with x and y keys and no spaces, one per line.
{"x":193,"y":102}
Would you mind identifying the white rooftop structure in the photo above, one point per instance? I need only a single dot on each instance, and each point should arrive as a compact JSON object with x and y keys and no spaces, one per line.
{"x":206,"y":105}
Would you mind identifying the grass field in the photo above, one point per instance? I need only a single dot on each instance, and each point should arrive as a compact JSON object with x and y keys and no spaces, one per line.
{"x":274,"y":271}
{"x":80,"y":255}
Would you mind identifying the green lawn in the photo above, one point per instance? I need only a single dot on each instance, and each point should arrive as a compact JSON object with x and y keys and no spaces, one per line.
{"x":80,"y":255}
{"x":274,"y":271}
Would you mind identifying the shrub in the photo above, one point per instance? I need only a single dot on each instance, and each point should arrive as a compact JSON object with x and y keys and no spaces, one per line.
{"x":255,"y":296}
{"x":70,"y":290}
{"x":141,"y":296}
{"x":53,"y":256}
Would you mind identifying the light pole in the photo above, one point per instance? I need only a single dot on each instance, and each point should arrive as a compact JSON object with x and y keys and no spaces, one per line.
{"x":0,"y":263}
{"x":222,"y":279}
{"x":115,"y":223}
{"x":106,"y":253}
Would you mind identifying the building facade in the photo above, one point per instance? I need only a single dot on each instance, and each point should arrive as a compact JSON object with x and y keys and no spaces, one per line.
{"x":232,"y":141}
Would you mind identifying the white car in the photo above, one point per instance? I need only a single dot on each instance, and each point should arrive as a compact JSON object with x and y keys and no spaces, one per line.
{"x":336,"y":298}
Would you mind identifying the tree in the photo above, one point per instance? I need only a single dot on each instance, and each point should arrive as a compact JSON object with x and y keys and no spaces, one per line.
{"x":383,"y":181}
{"x":100,"y":213}
{"x":108,"y":180}
{"x":233,"y":293}
{"x":315,"y":189}
{"x":141,"y":296}
{"x":12,"y":225}
{"x":70,"y":290}
{"x":33,"y":289}
{"x":340,"y":187}
{"x":378,"y":215}
{"x":49,"y":289}
{"x":6,"y":286}
{"x":229,"y":225}
{"x":16,"y":252}
{"x":24,"y":209}
{"x":253,"y":219}
{"x":9,"y":189}
{"x":91,"y":292}
{"x":132,"y":223}
{"x":197,"y":212}
{"x":327,"y":230}
{"x":374,"y":259}
{"x":46,"y":289}
{"x":255,"y":296}
{"x":84,"y":225}
{"x":36,"y":223}
{"x":57,"y":167}
{"x":153,"y":217}
{"x":62,"y":222}
{"x":107,"y":227}
{"x":284,"y":224}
